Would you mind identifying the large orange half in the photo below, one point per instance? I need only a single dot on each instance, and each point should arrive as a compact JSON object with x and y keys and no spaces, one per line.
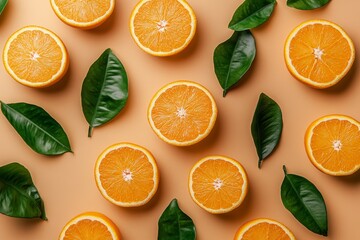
{"x":332,"y":144}
{"x":319,"y":53}
{"x":162,"y":27}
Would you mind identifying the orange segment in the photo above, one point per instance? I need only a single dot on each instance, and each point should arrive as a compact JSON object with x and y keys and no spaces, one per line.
{"x":36,"y":57}
{"x":127,"y":175}
{"x":218,"y":184}
{"x":264,"y":229}
{"x":90,"y":226}
{"x":332,"y":144}
{"x":319,"y":53}
{"x":182,"y":113}
{"x":83,"y":14}
{"x":162,"y":27}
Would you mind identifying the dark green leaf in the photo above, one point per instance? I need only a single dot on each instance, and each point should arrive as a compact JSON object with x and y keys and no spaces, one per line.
{"x":38,"y":129}
{"x":251,"y":13}
{"x":3,"y":5}
{"x":104,"y":91}
{"x":306,"y":4}
{"x":175,"y":224}
{"x":18,"y":194}
{"x":233,"y":58}
{"x":305,"y":202}
{"x":266,"y":126}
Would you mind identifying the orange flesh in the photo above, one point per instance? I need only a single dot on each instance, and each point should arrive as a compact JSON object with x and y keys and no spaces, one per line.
{"x":88,"y":230}
{"x":326,"y":138}
{"x":34,"y":56}
{"x":182,"y":113}
{"x":265,"y":231}
{"x":162,"y":25}
{"x":124,"y":163}
{"x":336,"y":52}
{"x":83,"y":11}
{"x":210,"y":172}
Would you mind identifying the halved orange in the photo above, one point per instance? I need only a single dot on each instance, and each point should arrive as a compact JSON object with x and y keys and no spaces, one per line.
{"x":90,"y":226}
{"x":84,"y":14}
{"x":332,"y":144}
{"x":35,"y":57}
{"x":182,"y":113}
{"x":218,"y":184}
{"x":126,"y":174}
{"x":319,"y":53}
{"x":264,"y":229}
{"x":162,"y":27}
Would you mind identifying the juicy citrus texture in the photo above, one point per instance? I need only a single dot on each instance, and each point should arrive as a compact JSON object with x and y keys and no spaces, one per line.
{"x":263,"y":229}
{"x":218,"y":184}
{"x":127,"y":175}
{"x":182,"y":113}
{"x":90,"y":226}
{"x":162,"y":27}
{"x":319,"y":53}
{"x":332,"y":144}
{"x":83,"y":14}
{"x":36,"y":57}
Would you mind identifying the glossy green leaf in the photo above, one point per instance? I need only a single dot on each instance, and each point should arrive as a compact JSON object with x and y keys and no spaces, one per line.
{"x":306,"y":4}
{"x":3,"y":5}
{"x":18,"y":194}
{"x":175,"y":224}
{"x":251,"y":13}
{"x":37,"y":128}
{"x":233,"y":58}
{"x":104,"y":91}
{"x":266,"y":126}
{"x":305,"y":202}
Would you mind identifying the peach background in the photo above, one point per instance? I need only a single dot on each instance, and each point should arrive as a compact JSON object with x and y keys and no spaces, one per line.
{"x":66,"y":182}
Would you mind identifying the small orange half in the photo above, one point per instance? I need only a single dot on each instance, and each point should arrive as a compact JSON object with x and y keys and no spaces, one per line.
{"x":84,"y":14}
{"x":319,"y":53}
{"x":127,"y":175}
{"x":264,"y":229}
{"x":182,"y":113}
{"x":35,"y":56}
{"x":218,"y":184}
{"x":162,"y":27}
{"x":332,"y":144}
{"x":90,"y":226}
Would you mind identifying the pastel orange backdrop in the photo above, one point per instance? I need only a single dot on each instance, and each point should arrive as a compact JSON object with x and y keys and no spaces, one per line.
{"x":66,"y":182}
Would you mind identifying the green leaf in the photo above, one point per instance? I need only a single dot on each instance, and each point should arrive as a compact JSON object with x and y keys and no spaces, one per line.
{"x":266,"y":127}
{"x":3,"y":5}
{"x":305,"y":202}
{"x":175,"y":224}
{"x":37,"y":128}
{"x":104,"y":91}
{"x":233,"y":58}
{"x":306,"y":4}
{"x":18,"y":194}
{"x":251,"y":13}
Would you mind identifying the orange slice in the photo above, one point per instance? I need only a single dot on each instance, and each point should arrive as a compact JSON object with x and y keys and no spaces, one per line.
{"x":319,"y":53}
{"x":162,"y":27}
{"x":84,"y":14}
{"x":263,"y":229}
{"x":126,"y":175}
{"x":218,"y":184}
{"x":35,"y":57}
{"x":182,"y":113}
{"x":332,"y":144}
{"x":90,"y":226}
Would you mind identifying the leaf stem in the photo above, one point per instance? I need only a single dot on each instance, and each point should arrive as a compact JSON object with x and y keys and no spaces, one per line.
{"x":285,"y":170}
{"x":90,"y":131}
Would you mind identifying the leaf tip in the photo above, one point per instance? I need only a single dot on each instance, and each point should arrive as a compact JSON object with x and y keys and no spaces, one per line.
{"x":224,"y":93}
{"x":259,"y":163}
